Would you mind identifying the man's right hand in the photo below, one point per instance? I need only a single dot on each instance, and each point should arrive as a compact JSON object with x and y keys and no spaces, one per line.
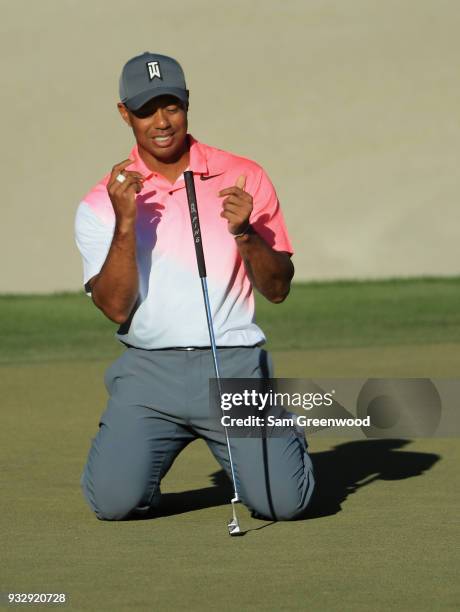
{"x":123,"y":195}
{"x":115,"y":289}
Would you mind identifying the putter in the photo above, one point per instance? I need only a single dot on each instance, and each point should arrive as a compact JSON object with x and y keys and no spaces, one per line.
{"x":233,"y":525}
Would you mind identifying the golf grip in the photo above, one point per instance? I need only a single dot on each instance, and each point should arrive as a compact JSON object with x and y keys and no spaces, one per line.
{"x":194,"y":218}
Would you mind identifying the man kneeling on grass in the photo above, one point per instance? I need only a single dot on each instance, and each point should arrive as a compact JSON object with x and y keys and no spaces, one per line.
{"x":134,"y":233}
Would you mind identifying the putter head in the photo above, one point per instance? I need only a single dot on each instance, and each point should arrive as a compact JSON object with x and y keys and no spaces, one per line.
{"x":234,"y":526}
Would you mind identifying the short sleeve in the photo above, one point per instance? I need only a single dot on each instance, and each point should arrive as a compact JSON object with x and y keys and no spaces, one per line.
{"x":93,"y":239}
{"x":267,"y":218}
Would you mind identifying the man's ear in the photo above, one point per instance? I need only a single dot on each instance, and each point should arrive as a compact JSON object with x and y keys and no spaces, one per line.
{"x":124,"y":113}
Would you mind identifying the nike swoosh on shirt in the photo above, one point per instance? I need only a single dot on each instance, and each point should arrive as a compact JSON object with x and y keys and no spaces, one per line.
{"x":206,"y":178}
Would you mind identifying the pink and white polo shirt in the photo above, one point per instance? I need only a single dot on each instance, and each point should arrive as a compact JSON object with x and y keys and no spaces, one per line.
{"x":170,"y":308}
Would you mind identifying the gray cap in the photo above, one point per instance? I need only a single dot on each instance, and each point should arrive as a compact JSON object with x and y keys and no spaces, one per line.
{"x":150,"y":75}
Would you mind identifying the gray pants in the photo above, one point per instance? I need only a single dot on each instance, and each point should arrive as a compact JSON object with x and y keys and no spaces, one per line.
{"x":159,"y":403}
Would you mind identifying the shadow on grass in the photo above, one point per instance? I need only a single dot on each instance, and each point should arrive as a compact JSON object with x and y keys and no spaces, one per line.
{"x":339,"y":472}
{"x":348,"y":467}
{"x":219,"y":494}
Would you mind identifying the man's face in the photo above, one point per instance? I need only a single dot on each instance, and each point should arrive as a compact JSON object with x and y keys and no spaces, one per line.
{"x":160,"y":127}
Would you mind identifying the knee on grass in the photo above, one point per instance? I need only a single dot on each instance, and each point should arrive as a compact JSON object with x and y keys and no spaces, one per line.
{"x":110,"y":505}
{"x":284,"y":505}
{"x":111,"y":509}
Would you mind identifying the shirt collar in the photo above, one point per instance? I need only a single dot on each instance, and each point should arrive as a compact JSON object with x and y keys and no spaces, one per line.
{"x":198,"y":159}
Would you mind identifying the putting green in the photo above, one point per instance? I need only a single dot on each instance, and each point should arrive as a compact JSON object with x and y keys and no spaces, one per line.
{"x":381,"y":535}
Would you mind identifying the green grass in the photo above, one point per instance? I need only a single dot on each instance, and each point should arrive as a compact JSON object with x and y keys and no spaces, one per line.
{"x":384,"y":540}
{"x":387,"y":544}
{"x":315,"y":316}
{"x":372,"y":313}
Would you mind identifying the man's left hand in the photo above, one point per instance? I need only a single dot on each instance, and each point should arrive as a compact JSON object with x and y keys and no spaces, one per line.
{"x":237,"y":206}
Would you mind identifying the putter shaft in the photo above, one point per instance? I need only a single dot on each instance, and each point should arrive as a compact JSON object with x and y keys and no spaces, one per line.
{"x":233,"y":526}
